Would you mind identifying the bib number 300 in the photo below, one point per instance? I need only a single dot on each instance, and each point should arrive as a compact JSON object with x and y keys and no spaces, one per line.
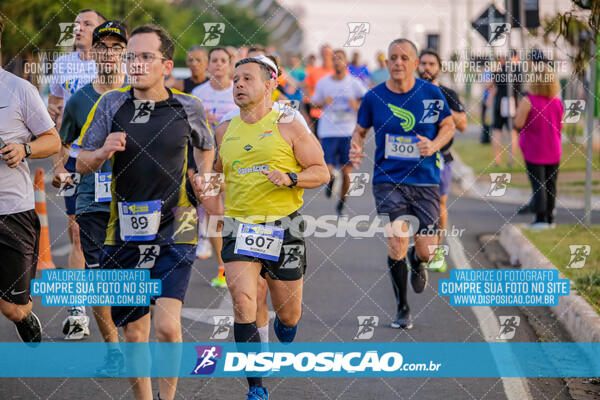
{"x":259,"y":241}
{"x":402,"y":147}
{"x":139,"y":221}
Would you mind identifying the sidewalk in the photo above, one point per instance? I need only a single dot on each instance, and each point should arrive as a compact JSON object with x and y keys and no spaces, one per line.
{"x":518,"y":191}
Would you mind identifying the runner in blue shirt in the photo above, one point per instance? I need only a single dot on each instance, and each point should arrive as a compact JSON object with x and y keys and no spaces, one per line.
{"x":412,"y":122}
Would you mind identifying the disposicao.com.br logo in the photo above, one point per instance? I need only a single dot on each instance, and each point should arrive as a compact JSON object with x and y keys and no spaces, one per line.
{"x":322,"y":362}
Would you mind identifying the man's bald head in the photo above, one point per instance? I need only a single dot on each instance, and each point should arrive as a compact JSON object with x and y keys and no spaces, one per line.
{"x":402,"y":41}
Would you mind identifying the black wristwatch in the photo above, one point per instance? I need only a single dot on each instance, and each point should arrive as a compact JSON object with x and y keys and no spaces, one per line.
{"x":294,"y":179}
{"x":27,"y":150}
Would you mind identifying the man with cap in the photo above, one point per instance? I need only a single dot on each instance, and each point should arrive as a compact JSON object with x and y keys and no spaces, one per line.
{"x":93,"y":199}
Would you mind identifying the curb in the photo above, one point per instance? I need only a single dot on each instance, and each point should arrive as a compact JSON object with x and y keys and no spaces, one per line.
{"x":573,"y":312}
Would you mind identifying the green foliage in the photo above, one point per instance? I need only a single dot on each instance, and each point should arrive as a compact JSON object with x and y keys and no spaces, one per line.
{"x":578,"y":29}
{"x":32,"y":26}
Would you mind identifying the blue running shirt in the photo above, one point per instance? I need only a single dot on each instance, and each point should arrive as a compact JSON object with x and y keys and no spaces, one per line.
{"x":397,"y":118}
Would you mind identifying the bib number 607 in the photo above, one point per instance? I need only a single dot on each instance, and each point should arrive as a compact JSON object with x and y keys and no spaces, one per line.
{"x":260,"y":241}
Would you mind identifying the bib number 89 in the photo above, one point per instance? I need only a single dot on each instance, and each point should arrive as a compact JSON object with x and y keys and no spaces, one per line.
{"x":141,"y":222}
{"x":260,"y":241}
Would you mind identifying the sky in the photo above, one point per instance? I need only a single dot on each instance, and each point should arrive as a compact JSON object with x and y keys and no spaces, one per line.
{"x":326,"y":21}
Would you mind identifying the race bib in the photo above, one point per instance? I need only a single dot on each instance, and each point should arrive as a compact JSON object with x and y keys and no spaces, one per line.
{"x":259,"y":241}
{"x":341,"y":115}
{"x":401,"y":147}
{"x":139,"y":221}
{"x":102,"y":187}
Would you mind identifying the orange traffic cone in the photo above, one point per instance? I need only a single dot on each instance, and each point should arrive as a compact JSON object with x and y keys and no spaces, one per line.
{"x":44,"y":254}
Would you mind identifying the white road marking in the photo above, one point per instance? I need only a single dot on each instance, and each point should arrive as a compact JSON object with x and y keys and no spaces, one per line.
{"x":61,"y":251}
{"x":205,"y":315}
{"x":514,"y":388}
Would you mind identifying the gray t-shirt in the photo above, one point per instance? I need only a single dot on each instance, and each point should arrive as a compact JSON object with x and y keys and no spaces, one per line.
{"x":22,"y":116}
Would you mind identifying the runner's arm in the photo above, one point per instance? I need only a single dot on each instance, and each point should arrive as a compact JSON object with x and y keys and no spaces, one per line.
{"x":89,"y":161}
{"x":204,"y":160}
{"x":308,"y":153}
{"x":55,"y":107}
{"x":357,"y":145}
{"x":219,"y":133}
{"x":58,"y":163}
{"x":460,"y":120}
{"x":445,"y":133}
{"x":45,"y":144}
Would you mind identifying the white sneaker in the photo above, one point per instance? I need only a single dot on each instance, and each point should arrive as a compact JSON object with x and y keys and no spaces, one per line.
{"x":76,"y":327}
{"x":204,"y":249}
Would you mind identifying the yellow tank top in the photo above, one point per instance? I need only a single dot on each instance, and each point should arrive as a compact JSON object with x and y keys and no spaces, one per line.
{"x":246,"y":150}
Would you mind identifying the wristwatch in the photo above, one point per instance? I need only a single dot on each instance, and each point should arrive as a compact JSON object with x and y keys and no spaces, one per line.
{"x":294,"y":179}
{"x":27,"y":150}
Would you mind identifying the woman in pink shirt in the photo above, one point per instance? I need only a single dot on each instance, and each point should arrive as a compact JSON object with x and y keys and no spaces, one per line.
{"x":538,"y":118}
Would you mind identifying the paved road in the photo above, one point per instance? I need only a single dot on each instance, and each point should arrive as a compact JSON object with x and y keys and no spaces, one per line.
{"x":346,"y":278}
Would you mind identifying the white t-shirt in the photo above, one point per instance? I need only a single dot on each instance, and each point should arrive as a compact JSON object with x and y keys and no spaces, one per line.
{"x":218,"y":102}
{"x":23,"y":114}
{"x":295,"y":114}
{"x":69,"y":74}
{"x":338,"y":119}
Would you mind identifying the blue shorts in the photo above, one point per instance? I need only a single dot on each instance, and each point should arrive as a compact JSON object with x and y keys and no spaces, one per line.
{"x":92,"y":233}
{"x":445,"y":178}
{"x":172,"y":264}
{"x":70,"y":200}
{"x":398,"y":200}
{"x":337,"y":150}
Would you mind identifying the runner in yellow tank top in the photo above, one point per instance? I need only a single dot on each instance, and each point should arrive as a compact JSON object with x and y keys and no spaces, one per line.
{"x":246,"y":151}
{"x":267,"y":163}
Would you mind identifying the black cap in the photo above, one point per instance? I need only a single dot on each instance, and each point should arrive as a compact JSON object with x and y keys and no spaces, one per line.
{"x":110,"y":28}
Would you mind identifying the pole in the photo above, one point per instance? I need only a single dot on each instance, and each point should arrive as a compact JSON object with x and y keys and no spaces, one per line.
{"x":468,"y":55}
{"x":589,"y":128}
{"x":523,"y":28}
{"x":509,"y":84}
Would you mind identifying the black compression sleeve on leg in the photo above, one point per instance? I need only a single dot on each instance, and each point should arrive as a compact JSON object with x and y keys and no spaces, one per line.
{"x":244,"y":333}
{"x":399,"y":274}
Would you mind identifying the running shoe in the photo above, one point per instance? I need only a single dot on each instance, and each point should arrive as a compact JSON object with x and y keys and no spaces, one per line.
{"x":258,"y":393}
{"x":403,"y":319}
{"x":285,"y":334}
{"x":438,"y":262}
{"x":204,"y":249}
{"x":418,"y":271}
{"x":29,"y":329}
{"x":76,"y":325}
{"x":114,"y":364}
{"x":218,"y":282}
{"x":329,"y":187}
{"x":339,"y":208}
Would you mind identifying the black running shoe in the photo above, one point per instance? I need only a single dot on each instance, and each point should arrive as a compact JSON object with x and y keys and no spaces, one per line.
{"x":329,"y":187}
{"x":418,"y":271}
{"x":29,"y":329}
{"x":114,"y":364}
{"x":339,"y":208}
{"x":403,"y":319}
